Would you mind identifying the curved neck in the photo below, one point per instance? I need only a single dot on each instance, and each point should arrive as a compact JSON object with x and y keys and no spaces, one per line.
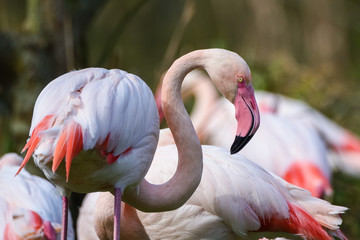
{"x":181,"y":186}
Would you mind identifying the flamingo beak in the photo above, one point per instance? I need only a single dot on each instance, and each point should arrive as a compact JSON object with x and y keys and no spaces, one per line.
{"x":247,"y":115}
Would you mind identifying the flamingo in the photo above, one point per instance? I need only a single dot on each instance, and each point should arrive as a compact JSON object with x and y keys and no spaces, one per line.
{"x":288,"y":148}
{"x":236,"y":199}
{"x":111,"y":111}
{"x":343,"y":146}
{"x":28,"y":204}
{"x":115,"y":112}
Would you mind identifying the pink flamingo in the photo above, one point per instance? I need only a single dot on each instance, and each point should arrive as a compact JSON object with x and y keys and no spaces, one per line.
{"x":288,"y":148}
{"x":343,"y":146}
{"x":94,"y":108}
{"x":28,"y":204}
{"x":115,"y":112}
{"x":235,"y":197}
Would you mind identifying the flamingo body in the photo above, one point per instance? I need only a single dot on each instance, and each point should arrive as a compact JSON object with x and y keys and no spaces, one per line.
{"x":243,"y":195}
{"x":94,"y":108}
{"x":111,"y":111}
{"x":236,"y":199}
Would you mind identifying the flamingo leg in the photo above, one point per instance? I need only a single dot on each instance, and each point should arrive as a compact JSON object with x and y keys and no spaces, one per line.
{"x":64,"y":223}
{"x":117,"y":213}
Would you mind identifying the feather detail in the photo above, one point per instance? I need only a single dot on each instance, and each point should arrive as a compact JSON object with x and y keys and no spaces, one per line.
{"x":69,"y":144}
{"x":74,"y":145}
{"x":110,"y":157}
{"x":299,"y":222}
{"x":323,"y":212}
{"x":43,"y":125}
{"x":308,"y":175}
{"x":35,"y":139}
{"x":60,"y":149}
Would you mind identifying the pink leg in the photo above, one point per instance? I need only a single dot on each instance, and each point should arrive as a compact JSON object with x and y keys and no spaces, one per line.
{"x":117,"y":213}
{"x":64,"y":224}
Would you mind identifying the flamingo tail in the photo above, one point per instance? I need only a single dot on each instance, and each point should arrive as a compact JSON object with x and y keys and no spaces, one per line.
{"x":299,"y":222}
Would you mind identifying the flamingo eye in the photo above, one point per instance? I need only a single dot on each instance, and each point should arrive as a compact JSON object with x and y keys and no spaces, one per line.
{"x":240,"y":79}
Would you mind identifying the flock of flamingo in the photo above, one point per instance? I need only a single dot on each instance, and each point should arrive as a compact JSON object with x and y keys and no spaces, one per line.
{"x":147,"y":183}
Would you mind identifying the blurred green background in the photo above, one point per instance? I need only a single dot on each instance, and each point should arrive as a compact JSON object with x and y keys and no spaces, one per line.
{"x":301,"y":48}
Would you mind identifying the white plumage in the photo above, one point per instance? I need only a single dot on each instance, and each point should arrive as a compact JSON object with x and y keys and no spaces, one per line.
{"x":234,"y":192}
{"x":280,"y":146}
{"x":235,"y":197}
{"x":109,"y":104}
{"x":343,"y":146}
{"x":109,"y":110}
{"x":24,"y":194}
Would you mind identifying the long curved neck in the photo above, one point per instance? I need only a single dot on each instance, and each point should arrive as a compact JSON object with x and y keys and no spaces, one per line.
{"x":181,"y":186}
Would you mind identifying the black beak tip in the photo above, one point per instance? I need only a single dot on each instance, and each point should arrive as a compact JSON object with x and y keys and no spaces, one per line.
{"x":239,"y":143}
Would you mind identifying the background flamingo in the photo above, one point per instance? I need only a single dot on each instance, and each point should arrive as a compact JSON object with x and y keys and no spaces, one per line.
{"x":289,"y":149}
{"x":29,"y":205}
{"x":343,"y":146}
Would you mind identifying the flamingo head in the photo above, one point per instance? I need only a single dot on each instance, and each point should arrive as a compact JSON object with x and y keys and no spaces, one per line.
{"x":232,"y":77}
{"x":246,"y":113}
{"x":27,"y":224}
